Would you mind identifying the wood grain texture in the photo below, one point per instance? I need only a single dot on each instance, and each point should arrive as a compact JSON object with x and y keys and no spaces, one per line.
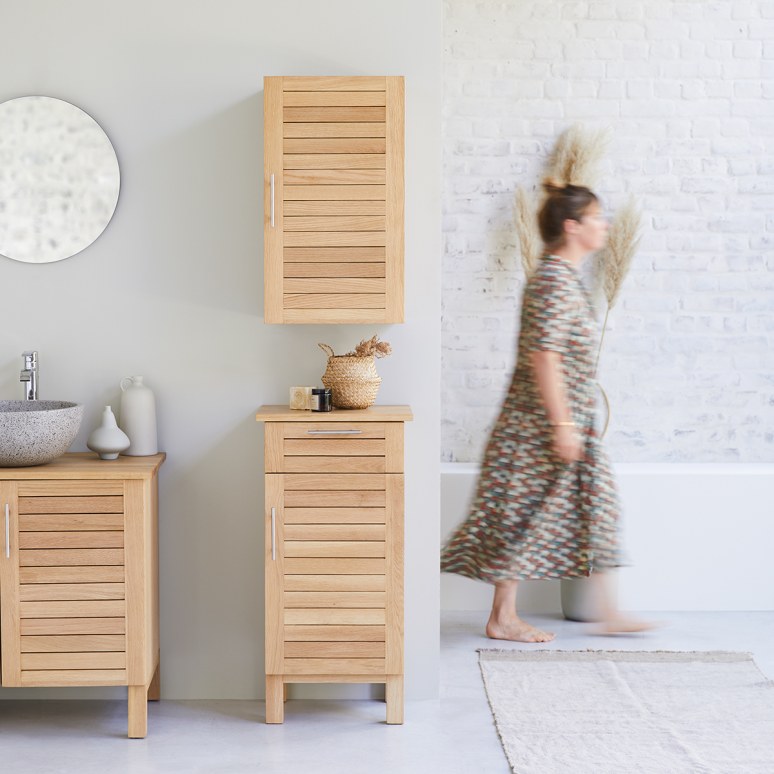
{"x":343,"y":430}
{"x":320,"y":98}
{"x":56,"y":522}
{"x":333,"y":633}
{"x":338,"y":285}
{"x":334,"y":548}
{"x":10,"y":604}
{"x":74,"y":504}
{"x":335,"y":583}
{"x":334,"y":238}
{"x":394,"y":447}
{"x":137,"y":700}
{"x":315,"y":650}
{"x":394,"y":228}
{"x":41,"y":592}
{"x":274,"y":570}
{"x":334,"y":481}
{"x":75,"y":539}
{"x":335,"y":516}
{"x":334,"y":599}
{"x":98,"y":660}
{"x":355,"y":499}
{"x":336,"y":566}
{"x":329,"y":446}
{"x":334,"y":83}
{"x":62,"y":678}
{"x":69,"y":488}
{"x":85,"y":466}
{"x":76,"y":574}
{"x":336,"y":316}
{"x":333,"y":666}
{"x":321,"y":464}
{"x":334,"y":178}
{"x":73,"y":643}
{"x":308,"y":115}
{"x":363,"y":617}
{"x":334,"y":300}
{"x":334,"y":254}
{"x":273,"y":448}
{"x":275,"y":698}
{"x":335,"y":145}
{"x":70,"y":556}
{"x":68,"y":626}
{"x":335,"y":223}
{"x":331,"y":208}
{"x":395,"y":554}
{"x":137,"y":579}
{"x":273,"y":240}
{"x":377,"y":413}
{"x":335,"y":532}
{"x":393,"y":695}
{"x":106,"y":608}
{"x":335,"y":129}
{"x":342,"y":270}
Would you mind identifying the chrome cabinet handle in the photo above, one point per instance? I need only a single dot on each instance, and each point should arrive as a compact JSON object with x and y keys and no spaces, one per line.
{"x":273,"y":533}
{"x":7,"y":533}
{"x":333,"y":432}
{"x":272,"y":200}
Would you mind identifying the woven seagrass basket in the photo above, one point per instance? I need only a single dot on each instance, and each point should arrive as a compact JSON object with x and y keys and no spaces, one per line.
{"x":353,"y":380}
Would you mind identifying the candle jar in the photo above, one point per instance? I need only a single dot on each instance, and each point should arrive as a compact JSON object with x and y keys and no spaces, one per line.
{"x":322,"y":399}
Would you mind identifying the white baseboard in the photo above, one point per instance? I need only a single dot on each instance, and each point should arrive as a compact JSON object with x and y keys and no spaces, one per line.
{"x":699,"y":537}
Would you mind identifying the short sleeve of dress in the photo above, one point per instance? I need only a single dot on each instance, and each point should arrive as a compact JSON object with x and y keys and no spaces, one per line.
{"x":547,"y":309}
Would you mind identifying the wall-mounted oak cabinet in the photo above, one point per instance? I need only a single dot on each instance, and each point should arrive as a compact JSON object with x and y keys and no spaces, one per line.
{"x":334,"y":199}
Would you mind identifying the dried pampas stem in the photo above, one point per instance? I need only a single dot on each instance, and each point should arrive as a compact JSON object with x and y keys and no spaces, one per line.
{"x":576,"y":155}
{"x":527,"y":231}
{"x":622,"y":242}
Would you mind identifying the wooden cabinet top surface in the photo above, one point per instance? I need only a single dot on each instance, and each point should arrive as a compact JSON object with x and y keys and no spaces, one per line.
{"x":372,"y":414}
{"x":87,"y":465}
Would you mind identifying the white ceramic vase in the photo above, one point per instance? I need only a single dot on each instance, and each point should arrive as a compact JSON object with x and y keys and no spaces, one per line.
{"x":138,"y":417}
{"x":108,"y":439}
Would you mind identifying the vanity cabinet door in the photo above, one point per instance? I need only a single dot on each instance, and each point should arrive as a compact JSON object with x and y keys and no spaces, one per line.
{"x":334,"y":549}
{"x":63,"y":583}
{"x":334,"y":199}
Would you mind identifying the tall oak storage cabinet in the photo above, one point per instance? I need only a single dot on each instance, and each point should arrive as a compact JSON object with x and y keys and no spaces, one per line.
{"x":334,"y":199}
{"x":79,"y":576}
{"x":334,"y":550}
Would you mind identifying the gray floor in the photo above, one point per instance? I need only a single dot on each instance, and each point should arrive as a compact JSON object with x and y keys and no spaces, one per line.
{"x":453,"y":734}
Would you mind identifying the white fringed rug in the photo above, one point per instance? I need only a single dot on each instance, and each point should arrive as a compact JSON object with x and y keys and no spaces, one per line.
{"x":618,"y":712}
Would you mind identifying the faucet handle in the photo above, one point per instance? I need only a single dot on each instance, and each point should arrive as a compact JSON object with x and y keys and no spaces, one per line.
{"x":30,"y":358}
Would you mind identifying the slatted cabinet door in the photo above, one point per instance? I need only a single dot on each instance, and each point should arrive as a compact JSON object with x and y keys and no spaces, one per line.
{"x":63,"y":584}
{"x":334,"y":196}
{"x":334,"y":558}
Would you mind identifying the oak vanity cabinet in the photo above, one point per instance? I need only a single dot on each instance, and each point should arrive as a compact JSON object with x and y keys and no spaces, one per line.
{"x":334,"y":550}
{"x":78,"y":577}
{"x":334,"y":199}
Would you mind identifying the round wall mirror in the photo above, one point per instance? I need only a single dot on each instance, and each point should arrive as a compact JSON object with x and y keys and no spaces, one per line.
{"x":59,"y":179}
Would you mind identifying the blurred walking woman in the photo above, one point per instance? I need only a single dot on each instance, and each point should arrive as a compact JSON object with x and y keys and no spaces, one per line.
{"x":545,"y":504}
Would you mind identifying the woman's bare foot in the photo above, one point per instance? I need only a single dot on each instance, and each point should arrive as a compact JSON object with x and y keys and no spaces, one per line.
{"x":516,"y":630}
{"x":624,"y":624}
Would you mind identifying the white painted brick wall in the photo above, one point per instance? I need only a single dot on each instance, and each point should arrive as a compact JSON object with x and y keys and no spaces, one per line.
{"x":688,"y":90}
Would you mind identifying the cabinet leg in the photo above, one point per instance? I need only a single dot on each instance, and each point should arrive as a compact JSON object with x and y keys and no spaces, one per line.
{"x":393,"y":694}
{"x":284,"y":692}
{"x":154,"y":689}
{"x":138,"y":711}
{"x":275,"y":708}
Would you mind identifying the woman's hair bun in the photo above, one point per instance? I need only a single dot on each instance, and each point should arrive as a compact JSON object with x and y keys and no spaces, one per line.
{"x":553,"y":186}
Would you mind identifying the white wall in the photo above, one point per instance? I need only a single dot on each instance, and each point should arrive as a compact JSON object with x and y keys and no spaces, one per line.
{"x":173,"y":288}
{"x":687,"y":89}
{"x":695,"y":537}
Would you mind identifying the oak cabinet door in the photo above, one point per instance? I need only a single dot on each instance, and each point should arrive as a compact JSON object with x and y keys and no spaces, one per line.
{"x":334,"y":199}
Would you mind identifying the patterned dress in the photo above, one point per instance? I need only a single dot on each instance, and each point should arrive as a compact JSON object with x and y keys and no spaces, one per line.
{"x":534,"y":516}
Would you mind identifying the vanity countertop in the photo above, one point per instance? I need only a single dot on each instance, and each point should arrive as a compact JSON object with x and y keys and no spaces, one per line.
{"x":87,"y":465}
{"x":371,"y":414}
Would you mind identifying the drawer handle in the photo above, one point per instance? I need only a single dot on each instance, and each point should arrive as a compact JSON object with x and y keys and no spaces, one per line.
{"x":334,"y":432}
{"x":273,"y":534}
{"x":7,"y":533}
{"x":272,"y":201}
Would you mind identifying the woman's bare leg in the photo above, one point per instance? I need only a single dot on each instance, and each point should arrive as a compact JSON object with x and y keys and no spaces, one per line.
{"x":505,"y":624}
{"x":613,"y":620}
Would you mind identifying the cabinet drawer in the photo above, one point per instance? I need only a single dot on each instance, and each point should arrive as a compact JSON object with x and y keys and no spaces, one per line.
{"x":334,"y":447}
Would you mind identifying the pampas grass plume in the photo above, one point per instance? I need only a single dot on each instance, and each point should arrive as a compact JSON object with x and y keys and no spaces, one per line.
{"x":622,"y":242}
{"x":527,"y":231}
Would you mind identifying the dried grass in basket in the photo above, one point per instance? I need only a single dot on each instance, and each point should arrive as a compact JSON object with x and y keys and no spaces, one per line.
{"x":353,"y":379}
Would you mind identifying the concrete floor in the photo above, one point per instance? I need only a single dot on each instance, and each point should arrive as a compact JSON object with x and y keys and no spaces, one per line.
{"x":450,"y":735}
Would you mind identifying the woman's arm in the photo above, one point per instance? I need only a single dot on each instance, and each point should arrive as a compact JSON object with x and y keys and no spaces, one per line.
{"x":548,"y":376}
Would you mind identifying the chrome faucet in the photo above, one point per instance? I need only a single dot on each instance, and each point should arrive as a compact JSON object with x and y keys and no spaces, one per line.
{"x":30,"y":375}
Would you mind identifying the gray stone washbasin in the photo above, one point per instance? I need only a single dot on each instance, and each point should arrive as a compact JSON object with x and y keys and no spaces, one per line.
{"x":34,"y":432}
